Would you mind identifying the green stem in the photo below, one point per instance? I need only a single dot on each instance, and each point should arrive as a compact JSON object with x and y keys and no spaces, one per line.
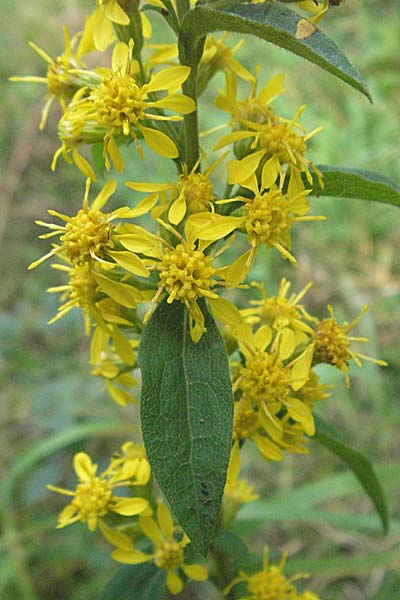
{"x":182,"y":6}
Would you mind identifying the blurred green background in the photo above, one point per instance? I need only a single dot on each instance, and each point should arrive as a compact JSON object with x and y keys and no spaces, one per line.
{"x":51,"y":407}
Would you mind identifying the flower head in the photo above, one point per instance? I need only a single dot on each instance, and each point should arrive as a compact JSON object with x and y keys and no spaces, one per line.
{"x":62,"y":78}
{"x":270,"y":583}
{"x":272,"y":142}
{"x":123,"y":107}
{"x":169,"y":544}
{"x":93,"y":498}
{"x":332,"y":344}
{"x":282,"y":310}
{"x":270,"y":379}
{"x":219,"y":57}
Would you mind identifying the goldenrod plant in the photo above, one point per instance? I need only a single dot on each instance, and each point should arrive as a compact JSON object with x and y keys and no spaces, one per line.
{"x":166,"y":286}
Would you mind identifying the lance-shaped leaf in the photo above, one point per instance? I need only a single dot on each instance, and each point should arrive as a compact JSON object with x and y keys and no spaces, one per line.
{"x":187,"y":413}
{"x":356,"y":183}
{"x":275,"y":23}
{"x":358,"y":463}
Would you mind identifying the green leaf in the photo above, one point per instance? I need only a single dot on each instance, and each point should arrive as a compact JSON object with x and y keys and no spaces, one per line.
{"x":187,"y":414}
{"x":141,"y":582}
{"x":229,"y":545}
{"x":341,"y":182}
{"x":275,"y":23}
{"x":360,"y":466}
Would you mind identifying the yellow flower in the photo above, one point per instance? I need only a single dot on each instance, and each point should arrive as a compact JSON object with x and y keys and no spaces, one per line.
{"x":168,"y":551}
{"x":272,"y":141}
{"x":317,"y":9}
{"x":87,"y":236}
{"x":281,"y":311}
{"x":109,"y":13}
{"x":237,"y":491}
{"x":270,"y":379}
{"x":120,"y":105}
{"x":219,"y":57}
{"x":93,"y":498}
{"x":192,"y":193}
{"x":79,"y":292}
{"x":271,"y":583}
{"x":251,"y":423}
{"x":187,"y":273}
{"x":332,"y":344}
{"x":132,"y":460}
{"x":269,"y":215}
{"x":62,"y":79}
{"x":112,"y":354}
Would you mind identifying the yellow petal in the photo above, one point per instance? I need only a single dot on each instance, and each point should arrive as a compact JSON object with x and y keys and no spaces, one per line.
{"x":130,"y":262}
{"x":177,"y":210}
{"x":84,"y":467}
{"x":211,"y":226}
{"x":159,"y":142}
{"x":171,"y":77}
{"x":148,"y":186}
{"x":174,"y":582}
{"x":83,"y":165}
{"x":130,"y":506}
{"x":133,"y":557}
{"x":165,"y":521}
{"x":150,"y":529}
{"x":234,"y":465}
{"x":146,"y":25}
{"x":120,"y":56}
{"x":123,"y":293}
{"x":177,"y":102}
{"x":116,"y":538}
{"x":270,"y":172}
{"x":141,"y":241}
{"x":241,"y":170}
{"x":122,"y":346}
{"x":263,"y":336}
{"x":231,"y":138}
{"x":287,"y":343}
{"x":104,"y":195}
{"x":115,"y":13}
{"x":115,"y":154}
{"x":195,"y":572}
{"x":226,"y":312}
{"x":121,"y":397}
{"x":271,"y":89}
{"x":301,"y":413}
{"x":301,"y":369}
{"x":102,"y":30}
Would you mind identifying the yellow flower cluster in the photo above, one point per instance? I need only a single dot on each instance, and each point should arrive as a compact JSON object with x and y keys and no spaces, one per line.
{"x":186,"y":241}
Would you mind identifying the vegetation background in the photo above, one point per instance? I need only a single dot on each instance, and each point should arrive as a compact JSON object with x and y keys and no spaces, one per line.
{"x":51,"y":407}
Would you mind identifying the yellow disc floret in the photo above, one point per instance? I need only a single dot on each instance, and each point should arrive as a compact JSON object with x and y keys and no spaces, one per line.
{"x":265,"y":379}
{"x":332,"y":344}
{"x":268,"y":219}
{"x":186,"y":274}
{"x":87,"y":233}
{"x":278,"y":139}
{"x":270,"y":585}
{"x":92,"y":498}
{"x":118,"y":102}
{"x":169,"y":555}
{"x":245,"y":422}
{"x":197,"y":190}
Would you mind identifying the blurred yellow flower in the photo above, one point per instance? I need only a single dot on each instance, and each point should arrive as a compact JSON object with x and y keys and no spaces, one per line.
{"x":168,"y":553}
{"x":94,"y":497}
